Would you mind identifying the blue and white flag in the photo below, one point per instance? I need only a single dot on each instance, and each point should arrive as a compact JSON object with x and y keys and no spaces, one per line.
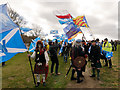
{"x":10,"y":39}
{"x":61,"y":49}
{"x":33,"y":44}
{"x":54,"y":32}
{"x":24,"y":30}
{"x":57,"y":36}
{"x":6,"y":22}
{"x":65,"y":21}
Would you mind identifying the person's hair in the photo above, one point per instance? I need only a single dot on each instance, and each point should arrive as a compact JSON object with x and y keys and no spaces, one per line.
{"x":39,"y":42}
{"x":93,"y":41}
{"x":50,"y":42}
{"x":106,"y":39}
{"x":83,"y":40}
{"x":56,"y":41}
{"x":97,"y":39}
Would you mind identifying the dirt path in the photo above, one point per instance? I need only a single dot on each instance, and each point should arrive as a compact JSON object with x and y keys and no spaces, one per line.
{"x":87,"y":83}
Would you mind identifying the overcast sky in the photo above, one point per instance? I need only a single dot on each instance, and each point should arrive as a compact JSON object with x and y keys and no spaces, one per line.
{"x":102,"y":15}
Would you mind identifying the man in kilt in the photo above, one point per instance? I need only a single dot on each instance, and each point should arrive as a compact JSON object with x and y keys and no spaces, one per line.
{"x":95,"y":59}
{"x":77,"y":50}
{"x":41,"y":62}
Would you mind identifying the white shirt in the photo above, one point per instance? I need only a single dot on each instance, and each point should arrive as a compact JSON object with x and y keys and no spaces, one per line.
{"x":46,"y":56}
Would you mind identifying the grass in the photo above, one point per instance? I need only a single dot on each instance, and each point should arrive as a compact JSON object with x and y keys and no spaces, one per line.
{"x":17,"y":73}
{"x":109,"y":77}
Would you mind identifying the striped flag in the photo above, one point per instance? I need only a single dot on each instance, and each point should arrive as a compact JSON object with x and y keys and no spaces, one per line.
{"x":80,"y":21}
{"x":67,"y":16}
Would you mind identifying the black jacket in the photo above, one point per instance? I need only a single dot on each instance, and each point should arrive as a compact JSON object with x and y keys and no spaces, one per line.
{"x":95,"y":53}
{"x":52,"y":51}
{"x":65,"y":49}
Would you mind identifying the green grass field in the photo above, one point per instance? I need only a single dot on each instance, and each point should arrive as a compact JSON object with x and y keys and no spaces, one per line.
{"x":17,"y":73}
{"x":109,"y":77}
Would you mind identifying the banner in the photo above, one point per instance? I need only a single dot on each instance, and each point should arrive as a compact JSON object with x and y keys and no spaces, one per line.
{"x":54,"y":32}
{"x":33,"y":44}
{"x":11,"y":42}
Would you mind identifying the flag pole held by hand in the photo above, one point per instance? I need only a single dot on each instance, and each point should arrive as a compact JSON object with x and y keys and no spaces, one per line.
{"x":32,"y":69}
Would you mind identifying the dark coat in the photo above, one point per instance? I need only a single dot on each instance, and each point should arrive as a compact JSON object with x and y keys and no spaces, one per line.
{"x":65,"y":49}
{"x":95,"y":53}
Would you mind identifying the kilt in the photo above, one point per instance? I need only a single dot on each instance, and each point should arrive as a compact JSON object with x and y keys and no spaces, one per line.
{"x":42,"y":69}
{"x":96,"y":65}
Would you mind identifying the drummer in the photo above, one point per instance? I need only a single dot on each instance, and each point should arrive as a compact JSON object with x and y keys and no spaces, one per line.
{"x":77,"y":50}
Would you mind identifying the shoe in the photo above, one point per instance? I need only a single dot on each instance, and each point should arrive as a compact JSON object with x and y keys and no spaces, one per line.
{"x":92,"y":76}
{"x":105,"y":65}
{"x":72,"y":78}
{"x":57,"y":74}
{"x":52,"y":73}
{"x":38,"y":83}
{"x":79,"y":81}
{"x":81,"y":75}
{"x":98,"y":78}
{"x":44,"y":84}
{"x":110,"y":67}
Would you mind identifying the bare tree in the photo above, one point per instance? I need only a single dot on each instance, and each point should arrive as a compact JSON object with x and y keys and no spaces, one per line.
{"x":17,"y":19}
{"x":36,"y":31}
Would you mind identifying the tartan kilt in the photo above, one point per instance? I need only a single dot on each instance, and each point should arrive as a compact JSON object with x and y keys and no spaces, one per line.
{"x":96,"y":65}
{"x":42,"y":69}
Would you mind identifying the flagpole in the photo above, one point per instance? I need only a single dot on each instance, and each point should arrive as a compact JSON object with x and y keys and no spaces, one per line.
{"x":32,"y":69}
{"x":89,"y":29}
{"x":27,"y":51}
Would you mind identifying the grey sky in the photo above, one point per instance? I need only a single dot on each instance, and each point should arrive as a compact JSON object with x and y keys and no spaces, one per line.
{"x":102,"y":16}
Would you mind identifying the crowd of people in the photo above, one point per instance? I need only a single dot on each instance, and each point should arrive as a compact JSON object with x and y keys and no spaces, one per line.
{"x":93,"y":51}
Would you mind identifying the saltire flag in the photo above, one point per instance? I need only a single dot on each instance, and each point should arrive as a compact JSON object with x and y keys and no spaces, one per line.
{"x":57,"y":36}
{"x":33,"y":44}
{"x":63,"y":37}
{"x":61,"y":49}
{"x":24,"y":30}
{"x":54,"y":32}
{"x":81,"y":21}
{"x":10,"y":39}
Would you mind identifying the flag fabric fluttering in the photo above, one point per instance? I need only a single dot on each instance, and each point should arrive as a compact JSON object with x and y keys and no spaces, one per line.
{"x":81,"y":21}
{"x":64,"y":17}
{"x":24,"y":30}
{"x":11,"y":42}
{"x":54,"y":32}
{"x":61,"y":49}
{"x":57,"y":36}
{"x":71,"y":31}
{"x":33,"y":44}
{"x":67,"y":16}
{"x":65,"y":21}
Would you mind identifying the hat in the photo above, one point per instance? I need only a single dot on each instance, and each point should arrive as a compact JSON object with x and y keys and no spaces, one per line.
{"x":93,"y":41}
{"x":97,"y":39}
{"x":50,"y":42}
{"x":83,"y":40}
{"x":78,"y":40}
{"x":106,"y":39}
